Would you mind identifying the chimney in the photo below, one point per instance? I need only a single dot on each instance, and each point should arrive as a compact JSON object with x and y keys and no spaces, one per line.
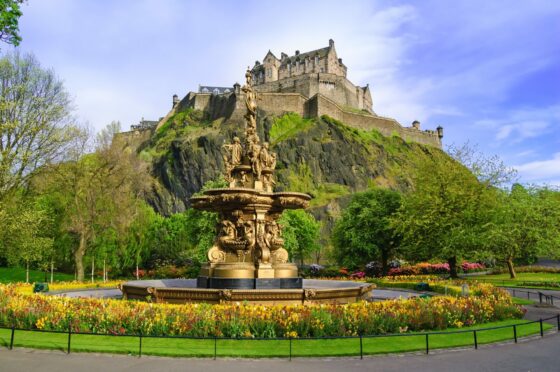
{"x":331,"y":43}
{"x":236,"y":88}
{"x":416,"y":124}
{"x":283,"y":56}
{"x":340,"y":60}
{"x":440,"y":131}
{"x":175,"y":100}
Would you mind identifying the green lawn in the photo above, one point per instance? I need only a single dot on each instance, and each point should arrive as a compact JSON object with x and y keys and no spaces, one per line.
{"x":529,"y":280}
{"x":265,"y":348}
{"x":17,"y":274}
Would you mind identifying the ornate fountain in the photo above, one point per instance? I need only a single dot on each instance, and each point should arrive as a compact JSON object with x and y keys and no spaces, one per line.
{"x":248,"y":262}
{"x":248,"y":252}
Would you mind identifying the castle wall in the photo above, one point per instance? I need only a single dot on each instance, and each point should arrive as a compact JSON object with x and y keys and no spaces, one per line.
{"x":333,"y":86}
{"x":320,"y":105}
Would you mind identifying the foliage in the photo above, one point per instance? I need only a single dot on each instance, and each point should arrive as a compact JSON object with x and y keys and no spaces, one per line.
{"x":35,"y":120}
{"x":10,"y":11}
{"x":524,"y":222}
{"x":24,"y":237}
{"x":288,"y":126}
{"x":364,"y":232}
{"x":444,"y":214}
{"x":120,"y":317}
{"x":300,"y":232}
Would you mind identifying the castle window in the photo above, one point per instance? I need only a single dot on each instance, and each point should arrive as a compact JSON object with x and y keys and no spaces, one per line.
{"x":316,"y":60}
{"x":297,"y":65}
{"x":216,"y":91}
{"x":322,"y":69}
{"x":268,"y":72}
{"x":205,"y":90}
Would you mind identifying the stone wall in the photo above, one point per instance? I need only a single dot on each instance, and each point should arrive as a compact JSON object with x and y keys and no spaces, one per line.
{"x":320,"y":105}
{"x":232,"y":107}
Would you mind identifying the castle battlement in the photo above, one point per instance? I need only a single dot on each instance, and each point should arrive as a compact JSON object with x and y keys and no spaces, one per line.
{"x":311,"y":84}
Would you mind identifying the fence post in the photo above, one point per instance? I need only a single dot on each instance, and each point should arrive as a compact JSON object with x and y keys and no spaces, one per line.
{"x":14,"y":331}
{"x":290,"y":338}
{"x":215,"y":346}
{"x":427,"y":344}
{"x":514,"y":293}
{"x":515,"y":333}
{"x":475,"y":340}
{"x":542,"y":333}
{"x":69,"y":337}
{"x":540,"y":297}
{"x":528,"y":295}
{"x":140,"y":346}
{"x":361,"y":348}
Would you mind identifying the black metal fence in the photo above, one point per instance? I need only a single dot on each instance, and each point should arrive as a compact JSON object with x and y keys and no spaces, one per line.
{"x":541,"y":297}
{"x":359,"y":351}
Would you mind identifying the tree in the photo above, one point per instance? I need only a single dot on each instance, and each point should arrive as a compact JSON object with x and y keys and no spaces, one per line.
{"x":10,"y":12}
{"x":525,"y":222}
{"x":364,"y":232}
{"x":300,"y":232}
{"x":24,"y":238}
{"x":442,"y":216}
{"x":102,"y":190}
{"x":35,"y":121}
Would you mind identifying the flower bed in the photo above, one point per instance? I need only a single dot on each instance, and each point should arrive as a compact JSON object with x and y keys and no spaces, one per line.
{"x":68,"y":286}
{"x":203,"y":320}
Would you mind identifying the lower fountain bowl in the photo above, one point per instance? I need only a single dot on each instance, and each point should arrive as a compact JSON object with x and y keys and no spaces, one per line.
{"x":180,"y":291}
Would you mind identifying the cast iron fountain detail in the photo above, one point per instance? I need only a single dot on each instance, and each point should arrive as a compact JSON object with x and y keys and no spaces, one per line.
{"x":248,"y":251}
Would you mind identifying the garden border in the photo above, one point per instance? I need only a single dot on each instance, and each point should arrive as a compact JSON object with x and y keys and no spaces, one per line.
{"x":290,"y":339}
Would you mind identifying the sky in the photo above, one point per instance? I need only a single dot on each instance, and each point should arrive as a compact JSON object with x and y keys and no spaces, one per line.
{"x":487,"y":71}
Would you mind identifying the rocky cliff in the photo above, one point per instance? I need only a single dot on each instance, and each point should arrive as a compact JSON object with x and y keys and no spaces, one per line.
{"x":320,"y":156}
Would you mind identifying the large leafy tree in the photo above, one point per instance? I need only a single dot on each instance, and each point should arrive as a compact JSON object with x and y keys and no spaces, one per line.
{"x":101,"y":191}
{"x":35,"y":121}
{"x":10,"y":11}
{"x":300,"y":232}
{"x":443,"y":215}
{"x":364,"y":232}
{"x":525,"y":222}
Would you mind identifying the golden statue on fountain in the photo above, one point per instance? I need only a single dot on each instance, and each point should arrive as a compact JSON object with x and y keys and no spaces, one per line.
{"x":248,"y":252}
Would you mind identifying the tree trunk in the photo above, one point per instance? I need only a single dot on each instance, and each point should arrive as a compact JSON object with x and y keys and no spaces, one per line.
{"x":27,"y":271}
{"x":384,"y":262}
{"x":509,"y":262}
{"x":79,"y":258}
{"x":92,"y":268}
{"x":452,"y":261}
{"x":104,"y":271}
{"x":137,"y":273}
{"x":52,"y":272}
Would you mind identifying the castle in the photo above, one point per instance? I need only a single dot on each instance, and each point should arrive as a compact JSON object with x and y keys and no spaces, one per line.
{"x":311,"y":84}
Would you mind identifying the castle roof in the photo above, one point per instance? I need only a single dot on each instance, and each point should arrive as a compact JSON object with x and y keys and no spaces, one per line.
{"x":214,"y":90}
{"x":302,"y":56}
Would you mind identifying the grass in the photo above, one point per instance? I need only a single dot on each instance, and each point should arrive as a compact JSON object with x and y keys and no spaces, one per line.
{"x":288,"y":126}
{"x":17,"y":274}
{"x":267,"y":348}
{"x":526,"y":280}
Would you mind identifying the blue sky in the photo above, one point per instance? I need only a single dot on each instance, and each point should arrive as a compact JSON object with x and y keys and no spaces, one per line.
{"x":487,"y":71}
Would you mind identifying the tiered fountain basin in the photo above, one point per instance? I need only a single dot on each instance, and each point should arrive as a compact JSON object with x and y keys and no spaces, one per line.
{"x":236,"y":262}
{"x":180,"y":291}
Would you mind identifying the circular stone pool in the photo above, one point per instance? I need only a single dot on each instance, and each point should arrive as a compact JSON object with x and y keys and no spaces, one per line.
{"x":186,"y":291}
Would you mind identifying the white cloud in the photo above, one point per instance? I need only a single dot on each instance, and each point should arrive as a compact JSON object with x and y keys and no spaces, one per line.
{"x":541,"y":171}
{"x":519,"y":125}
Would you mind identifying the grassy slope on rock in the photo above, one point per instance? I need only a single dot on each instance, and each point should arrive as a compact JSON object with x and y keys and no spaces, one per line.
{"x":321,"y":156}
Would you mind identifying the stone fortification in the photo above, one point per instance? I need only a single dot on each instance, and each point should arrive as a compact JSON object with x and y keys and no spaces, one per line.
{"x":310,"y":84}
